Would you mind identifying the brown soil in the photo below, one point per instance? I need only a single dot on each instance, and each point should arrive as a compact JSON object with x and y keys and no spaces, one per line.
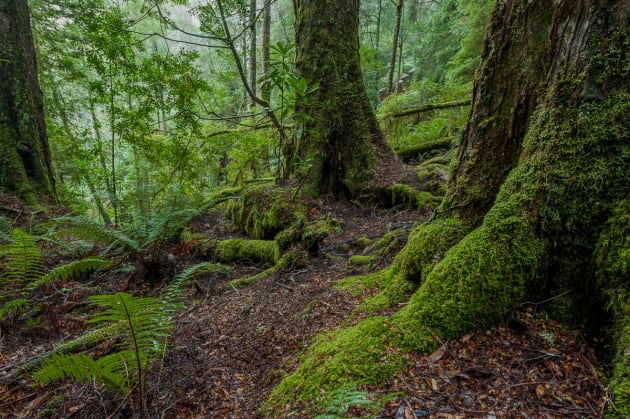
{"x":231,"y":347}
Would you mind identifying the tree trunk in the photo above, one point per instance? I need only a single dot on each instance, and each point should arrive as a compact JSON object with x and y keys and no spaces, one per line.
{"x":252,"y":46}
{"x":514,"y":71}
{"x":25,"y":165}
{"x":392,"y":61}
{"x":265,"y":43}
{"x":542,"y":186}
{"x":544,"y":161}
{"x":343,"y":144}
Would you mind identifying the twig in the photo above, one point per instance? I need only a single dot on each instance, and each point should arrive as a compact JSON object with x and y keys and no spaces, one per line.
{"x":283,"y":286}
{"x":536,"y":304}
{"x":20,"y":211}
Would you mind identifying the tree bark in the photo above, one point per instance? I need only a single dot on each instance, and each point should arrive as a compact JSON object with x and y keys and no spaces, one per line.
{"x":392,"y":62}
{"x":25,"y":165}
{"x":542,"y":189}
{"x":343,"y":143}
{"x":265,"y":43}
{"x":252,"y":46}
{"x":543,"y":164}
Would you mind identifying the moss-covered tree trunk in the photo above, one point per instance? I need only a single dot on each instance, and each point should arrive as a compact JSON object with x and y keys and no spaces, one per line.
{"x":541,"y":186}
{"x":342,"y":144}
{"x":544,"y":161}
{"x":25,"y":165}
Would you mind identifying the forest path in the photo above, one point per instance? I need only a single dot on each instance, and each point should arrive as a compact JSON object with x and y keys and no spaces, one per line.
{"x":231,"y":347}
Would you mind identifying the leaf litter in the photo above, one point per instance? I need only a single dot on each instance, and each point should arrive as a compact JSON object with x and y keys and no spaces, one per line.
{"x":231,"y":347}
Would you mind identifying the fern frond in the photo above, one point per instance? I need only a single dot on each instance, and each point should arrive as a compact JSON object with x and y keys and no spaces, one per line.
{"x":142,"y":322}
{"x":72,"y":270}
{"x":13,"y":308}
{"x":24,"y":259}
{"x":168,"y":226}
{"x":81,"y":367}
{"x":141,"y":325}
{"x":6,"y":226}
{"x":176,"y":286}
{"x":85,"y":229}
{"x":90,"y":338}
{"x":222,"y":196}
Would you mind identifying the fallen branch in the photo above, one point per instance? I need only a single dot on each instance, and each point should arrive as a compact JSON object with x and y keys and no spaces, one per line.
{"x":416,"y":150}
{"x":20,"y":211}
{"x":429,"y":107}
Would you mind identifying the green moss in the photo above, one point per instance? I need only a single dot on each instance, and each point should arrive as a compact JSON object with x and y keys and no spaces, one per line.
{"x":232,"y":250}
{"x":410,"y":197}
{"x":362,"y":242}
{"x":356,"y":354}
{"x":362,"y":259}
{"x":433,"y":176}
{"x":263,"y":212}
{"x":288,"y":236}
{"x":426,"y":246}
{"x":315,"y":232}
{"x":248,"y":280}
{"x":358,"y":284}
{"x":478,"y":282}
{"x":393,"y":291}
{"x":612,"y":267}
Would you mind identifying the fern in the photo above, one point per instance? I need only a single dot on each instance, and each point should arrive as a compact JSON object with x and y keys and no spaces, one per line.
{"x":168,"y":226}
{"x":72,"y":270}
{"x":12,"y":308}
{"x":24,"y":259}
{"x":6,"y":226}
{"x":81,"y":367}
{"x":142,"y":328}
{"x":85,"y":229}
{"x":176,"y":286}
{"x":341,"y":399}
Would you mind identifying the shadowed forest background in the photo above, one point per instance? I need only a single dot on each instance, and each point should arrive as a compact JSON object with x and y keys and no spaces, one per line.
{"x":264,"y":208}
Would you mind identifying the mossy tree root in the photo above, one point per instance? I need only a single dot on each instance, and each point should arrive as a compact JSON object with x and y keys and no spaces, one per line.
{"x":612,"y":270}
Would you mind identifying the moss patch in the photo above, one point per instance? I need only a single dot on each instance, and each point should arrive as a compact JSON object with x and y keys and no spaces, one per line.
{"x":426,"y":246}
{"x":393,"y":291}
{"x":263,"y":212}
{"x":612,"y":264}
{"x":479,"y":281}
{"x":360,"y":354}
{"x":362,"y":259}
{"x":232,"y":250}
{"x":411,"y":198}
{"x":358,"y":284}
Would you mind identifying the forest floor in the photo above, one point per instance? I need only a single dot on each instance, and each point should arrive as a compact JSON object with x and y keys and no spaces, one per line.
{"x":231,"y":347}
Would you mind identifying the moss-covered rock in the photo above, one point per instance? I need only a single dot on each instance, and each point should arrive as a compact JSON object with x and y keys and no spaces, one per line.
{"x":264,"y":211}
